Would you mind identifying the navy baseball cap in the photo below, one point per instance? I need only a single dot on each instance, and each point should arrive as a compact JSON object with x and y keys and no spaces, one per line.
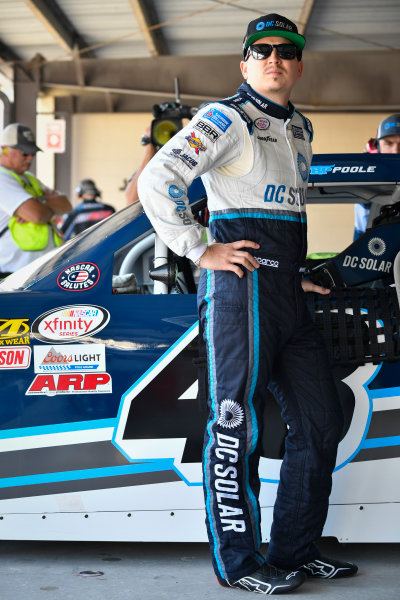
{"x":389,"y":126}
{"x":272,"y":25}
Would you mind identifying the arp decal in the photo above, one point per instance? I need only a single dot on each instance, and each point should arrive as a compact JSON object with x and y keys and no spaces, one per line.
{"x":14,"y":332}
{"x":15,"y":358}
{"x":79,"y":277}
{"x":70,"y":358}
{"x":77,"y":383}
{"x":70,"y":323}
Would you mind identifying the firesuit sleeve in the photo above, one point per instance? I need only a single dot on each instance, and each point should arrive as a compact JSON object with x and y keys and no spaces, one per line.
{"x":213,"y":139}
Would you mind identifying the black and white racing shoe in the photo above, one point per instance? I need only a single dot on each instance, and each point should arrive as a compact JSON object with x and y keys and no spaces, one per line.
{"x":328,"y":568}
{"x":267,"y":580}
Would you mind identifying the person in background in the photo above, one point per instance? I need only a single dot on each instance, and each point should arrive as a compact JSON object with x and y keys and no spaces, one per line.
{"x":27,"y":206}
{"x":131,"y":193}
{"x":253,"y":152}
{"x":89,"y":212}
{"x":387,"y":141}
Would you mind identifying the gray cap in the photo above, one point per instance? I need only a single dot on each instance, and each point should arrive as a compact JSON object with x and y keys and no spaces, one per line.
{"x":20,"y":136}
{"x":389,"y":126}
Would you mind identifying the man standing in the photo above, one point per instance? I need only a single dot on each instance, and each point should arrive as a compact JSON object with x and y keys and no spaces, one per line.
{"x":26,"y":205}
{"x":253,"y":152}
{"x":387,"y":141}
{"x":89,"y":212}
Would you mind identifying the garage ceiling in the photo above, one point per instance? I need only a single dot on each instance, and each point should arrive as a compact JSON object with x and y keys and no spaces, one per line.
{"x":124,"y":55}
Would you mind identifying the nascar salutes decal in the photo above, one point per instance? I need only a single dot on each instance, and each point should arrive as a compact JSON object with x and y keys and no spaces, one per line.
{"x":79,"y":277}
{"x":210,"y":133}
{"x":14,"y":332}
{"x":218,"y":118}
{"x":70,"y":358}
{"x":195,"y":142}
{"x":67,"y":383}
{"x":69,"y":323}
{"x":15,"y":358}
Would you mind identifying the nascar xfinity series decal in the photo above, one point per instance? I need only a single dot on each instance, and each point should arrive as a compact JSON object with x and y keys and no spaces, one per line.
{"x":69,"y":323}
{"x":14,"y":331}
{"x":79,"y":277}
{"x":15,"y":358}
{"x":70,"y":358}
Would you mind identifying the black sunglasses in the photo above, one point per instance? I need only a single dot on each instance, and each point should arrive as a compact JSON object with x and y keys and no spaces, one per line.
{"x":284,"y":51}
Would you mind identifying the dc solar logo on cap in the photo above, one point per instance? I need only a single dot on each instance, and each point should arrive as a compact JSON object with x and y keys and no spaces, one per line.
{"x":272,"y":25}
{"x":389,"y":126}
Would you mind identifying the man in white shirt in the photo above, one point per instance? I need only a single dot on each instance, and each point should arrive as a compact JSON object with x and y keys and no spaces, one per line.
{"x":27,"y":206}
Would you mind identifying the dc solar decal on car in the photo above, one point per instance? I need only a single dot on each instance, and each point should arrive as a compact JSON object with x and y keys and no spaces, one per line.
{"x":159,"y":417}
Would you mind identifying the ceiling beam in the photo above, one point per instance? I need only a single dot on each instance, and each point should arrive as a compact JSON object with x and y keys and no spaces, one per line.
{"x":328,"y":81}
{"x":57,"y":23}
{"x":80,"y":76}
{"x":7,"y":54}
{"x":146,"y":17}
{"x":305,"y":14}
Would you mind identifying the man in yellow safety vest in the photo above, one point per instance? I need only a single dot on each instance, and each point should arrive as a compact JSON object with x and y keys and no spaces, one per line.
{"x":27,"y":206}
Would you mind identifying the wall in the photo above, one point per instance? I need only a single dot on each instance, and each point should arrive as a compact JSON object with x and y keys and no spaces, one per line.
{"x":107,"y":149}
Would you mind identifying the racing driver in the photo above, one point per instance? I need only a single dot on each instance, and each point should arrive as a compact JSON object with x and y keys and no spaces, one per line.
{"x":253,"y":152}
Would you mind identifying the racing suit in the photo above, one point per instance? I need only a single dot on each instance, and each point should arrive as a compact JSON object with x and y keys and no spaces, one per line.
{"x":254,"y":158}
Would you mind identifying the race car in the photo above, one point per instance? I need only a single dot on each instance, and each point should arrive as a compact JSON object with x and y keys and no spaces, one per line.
{"x":103,"y":378}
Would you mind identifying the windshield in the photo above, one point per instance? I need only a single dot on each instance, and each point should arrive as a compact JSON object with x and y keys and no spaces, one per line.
{"x":71,"y":250}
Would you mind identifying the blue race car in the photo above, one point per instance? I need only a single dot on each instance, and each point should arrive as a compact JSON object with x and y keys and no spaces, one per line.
{"x":103,"y":378}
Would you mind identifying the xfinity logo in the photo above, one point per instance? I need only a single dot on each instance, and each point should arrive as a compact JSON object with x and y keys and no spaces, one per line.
{"x":267,"y":262}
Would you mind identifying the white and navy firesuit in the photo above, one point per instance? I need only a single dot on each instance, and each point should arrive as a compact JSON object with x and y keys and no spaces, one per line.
{"x":254,"y":159}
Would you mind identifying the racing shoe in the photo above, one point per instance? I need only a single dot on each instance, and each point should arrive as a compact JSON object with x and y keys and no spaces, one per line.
{"x":328,"y":568}
{"x":267,"y":580}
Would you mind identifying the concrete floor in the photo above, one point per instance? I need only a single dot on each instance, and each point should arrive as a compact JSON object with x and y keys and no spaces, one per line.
{"x":143,"y":571}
